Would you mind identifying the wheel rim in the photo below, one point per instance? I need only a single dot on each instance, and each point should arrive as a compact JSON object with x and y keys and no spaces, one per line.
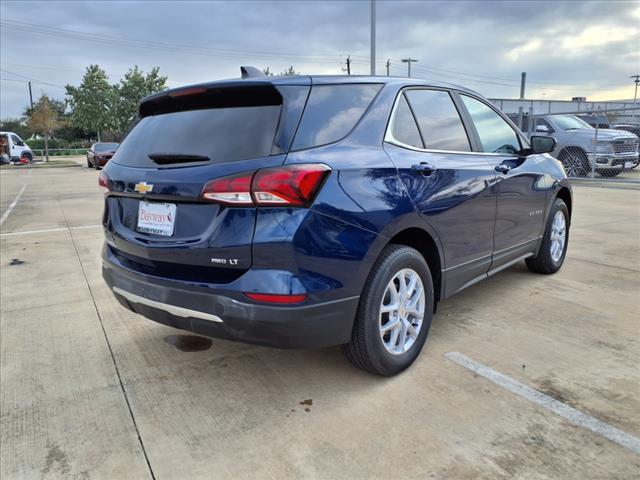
{"x":574,"y":166}
{"x":402,"y":311}
{"x":558,"y":236}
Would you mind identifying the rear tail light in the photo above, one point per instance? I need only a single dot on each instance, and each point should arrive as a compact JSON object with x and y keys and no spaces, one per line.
{"x":289,"y":186}
{"x":103,"y":182}
{"x":276,"y":298}
{"x":232,"y":190}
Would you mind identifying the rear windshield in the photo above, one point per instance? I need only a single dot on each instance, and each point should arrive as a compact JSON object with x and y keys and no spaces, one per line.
{"x":215,"y":135}
{"x":331,"y":112}
{"x":105,"y":147}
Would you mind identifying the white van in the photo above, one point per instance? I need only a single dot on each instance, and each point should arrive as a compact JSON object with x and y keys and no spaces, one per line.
{"x":12,"y":148}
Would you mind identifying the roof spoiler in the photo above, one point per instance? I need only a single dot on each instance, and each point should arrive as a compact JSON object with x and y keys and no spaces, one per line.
{"x":251,"y":72}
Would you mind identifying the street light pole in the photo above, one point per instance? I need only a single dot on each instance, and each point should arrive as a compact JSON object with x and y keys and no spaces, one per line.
{"x":373,"y":37}
{"x":409,"y":61}
{"x":635,"y":94}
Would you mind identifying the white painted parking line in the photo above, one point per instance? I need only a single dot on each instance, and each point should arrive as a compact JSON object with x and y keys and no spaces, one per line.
{"x":13,"y":204}
{"x":48,"y":230}
{"x":574,"y":416}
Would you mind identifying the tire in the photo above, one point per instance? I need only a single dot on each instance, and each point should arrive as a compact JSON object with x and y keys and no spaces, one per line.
{"x":575,"y":162}
{"x":29,"y":156}
{"x":369,"y":348}
{"x":89,"y":165}
{"x":548,"y":261}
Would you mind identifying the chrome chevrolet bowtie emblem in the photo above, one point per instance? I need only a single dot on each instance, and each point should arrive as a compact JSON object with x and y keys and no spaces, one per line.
{"x":143,"y":187}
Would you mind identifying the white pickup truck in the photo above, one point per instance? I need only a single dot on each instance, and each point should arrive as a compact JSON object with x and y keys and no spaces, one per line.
{"x":13,"y":148}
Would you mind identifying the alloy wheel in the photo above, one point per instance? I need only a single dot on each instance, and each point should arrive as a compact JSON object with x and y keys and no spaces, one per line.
{"x":402,"y":311}
{"x":558,"y":236}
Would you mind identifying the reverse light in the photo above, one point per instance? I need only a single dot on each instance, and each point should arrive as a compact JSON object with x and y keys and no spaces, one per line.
{"x":232,"y":190}
{"x":276,"y":298}
{"x":103,"y":182}
{"x":290,"y":186}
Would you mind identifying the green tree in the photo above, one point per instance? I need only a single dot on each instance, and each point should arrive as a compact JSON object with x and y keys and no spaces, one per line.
{"x":44,"y":119}
{"x":289,"y":72}
{"x":58,"y":106}
{"x":93,"y":102}
{"x":133,"y":87}
{"x":16,"y":125}
{"x":285,"y":73}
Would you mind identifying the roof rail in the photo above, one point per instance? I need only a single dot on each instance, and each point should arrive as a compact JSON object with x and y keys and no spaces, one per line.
{"x":250,"y":72}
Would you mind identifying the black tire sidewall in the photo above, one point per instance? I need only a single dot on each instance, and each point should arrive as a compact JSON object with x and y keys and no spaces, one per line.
{"x":385,"y":362}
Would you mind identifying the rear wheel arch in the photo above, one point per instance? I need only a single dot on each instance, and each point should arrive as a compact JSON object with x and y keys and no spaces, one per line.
{"x":425,"y":244}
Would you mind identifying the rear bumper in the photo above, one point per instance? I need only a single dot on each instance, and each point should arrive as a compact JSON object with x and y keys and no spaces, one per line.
{"x":214,"y":315}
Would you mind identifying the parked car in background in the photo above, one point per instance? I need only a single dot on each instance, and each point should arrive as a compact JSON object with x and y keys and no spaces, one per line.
{"x":14,"y":148}
{"x":100,"y":153}
{"x":615,"y":149}
{"x":305,"y":212}
{"x":635,"y":129}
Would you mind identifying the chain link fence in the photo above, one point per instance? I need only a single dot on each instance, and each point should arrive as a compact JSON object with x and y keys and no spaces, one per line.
{"x":591,"y":145}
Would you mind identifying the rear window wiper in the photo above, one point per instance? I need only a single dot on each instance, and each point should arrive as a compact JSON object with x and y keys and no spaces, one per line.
{"x":168,"y":158}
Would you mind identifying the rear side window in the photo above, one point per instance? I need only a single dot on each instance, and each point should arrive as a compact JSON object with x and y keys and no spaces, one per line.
{"x":404,"y":128}
{"x":495,"y":134}
{"x":331,"y":112}
{"x":439,"y":120}
{"x":219,"y":134}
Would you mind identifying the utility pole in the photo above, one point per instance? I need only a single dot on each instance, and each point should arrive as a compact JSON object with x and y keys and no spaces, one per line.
{"x":635,"y":95}
{"x":31,"y":95}
{"x":373,"y":37}
{"x":409,"y":61}
{"x":388,"y":65}
{"x":523,"y":80}
{"x":348,"y":62}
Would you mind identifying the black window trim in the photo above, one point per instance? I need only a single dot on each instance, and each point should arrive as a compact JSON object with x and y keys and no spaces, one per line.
{"x":471,"y":134}
{"x":524,"y":144}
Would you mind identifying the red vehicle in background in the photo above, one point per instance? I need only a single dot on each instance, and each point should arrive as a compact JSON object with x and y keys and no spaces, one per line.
{"x":100,"y":153}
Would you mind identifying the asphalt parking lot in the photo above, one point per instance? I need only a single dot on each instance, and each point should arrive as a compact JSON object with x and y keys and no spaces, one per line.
{"x":90,"y":390}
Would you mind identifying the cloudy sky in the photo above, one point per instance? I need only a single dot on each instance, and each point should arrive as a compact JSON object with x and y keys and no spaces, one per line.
{"x":567,"y":48}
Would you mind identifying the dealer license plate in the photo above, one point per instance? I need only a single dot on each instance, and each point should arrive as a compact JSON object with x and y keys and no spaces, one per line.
{"x":158,"y":218}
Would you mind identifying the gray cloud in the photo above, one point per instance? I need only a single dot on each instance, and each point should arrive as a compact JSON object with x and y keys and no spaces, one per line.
{"x":477,"y":39}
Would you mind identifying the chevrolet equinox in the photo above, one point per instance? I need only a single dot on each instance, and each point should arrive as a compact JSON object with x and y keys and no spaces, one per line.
{"x":305,"y":212}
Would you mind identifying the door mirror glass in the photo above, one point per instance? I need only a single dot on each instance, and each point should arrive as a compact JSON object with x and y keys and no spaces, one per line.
{"x":541,"y":144}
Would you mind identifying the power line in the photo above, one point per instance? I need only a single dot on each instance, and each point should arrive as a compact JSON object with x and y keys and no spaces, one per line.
{"x":145,"y":44}
{"x":262,"y":55}
{"x":31,"y":79}
{"x":515,"y":84}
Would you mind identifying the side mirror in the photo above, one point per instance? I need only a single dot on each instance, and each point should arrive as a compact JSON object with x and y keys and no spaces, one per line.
{"x":541,"y":144}
{"x":542,"y":129}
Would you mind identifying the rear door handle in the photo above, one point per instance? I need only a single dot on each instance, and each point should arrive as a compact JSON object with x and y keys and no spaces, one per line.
{"x":423,"y":168}
{"x":502,"y":168}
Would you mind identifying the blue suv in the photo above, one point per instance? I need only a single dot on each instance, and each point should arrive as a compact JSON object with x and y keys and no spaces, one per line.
{"x":305,"y":212}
